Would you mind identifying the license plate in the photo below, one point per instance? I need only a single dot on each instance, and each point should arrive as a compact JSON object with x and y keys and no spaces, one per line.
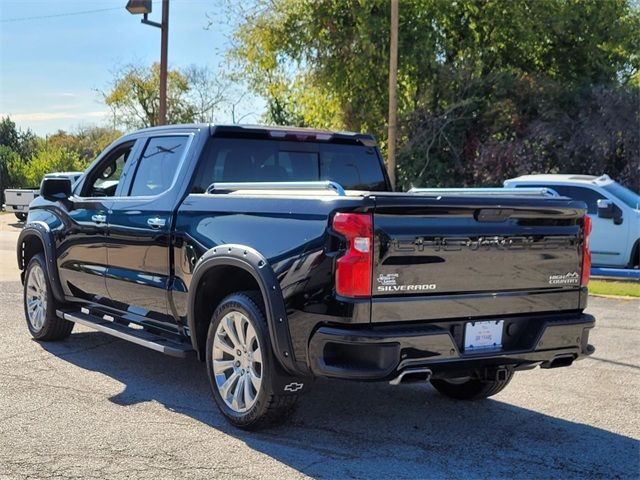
{"x":483,"y":335}
{"x":18,"y":207}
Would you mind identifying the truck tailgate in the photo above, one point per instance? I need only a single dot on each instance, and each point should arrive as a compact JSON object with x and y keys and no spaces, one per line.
{"x":19,"y":196}
{"x":443,"y":257}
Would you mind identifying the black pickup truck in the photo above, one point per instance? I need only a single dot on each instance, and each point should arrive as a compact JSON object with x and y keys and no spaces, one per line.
{"x":277,"y":255}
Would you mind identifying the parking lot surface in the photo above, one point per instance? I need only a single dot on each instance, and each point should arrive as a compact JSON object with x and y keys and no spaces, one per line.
{"x":97,"y":407}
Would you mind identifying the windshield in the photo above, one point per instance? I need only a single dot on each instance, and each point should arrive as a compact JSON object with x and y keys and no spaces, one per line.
{"x":624,"y":194}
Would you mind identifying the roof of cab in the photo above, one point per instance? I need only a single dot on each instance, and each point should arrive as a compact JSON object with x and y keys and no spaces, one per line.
{"x":268,"y":131}
{"x":291,"y":133}
{"x":564,"y":178}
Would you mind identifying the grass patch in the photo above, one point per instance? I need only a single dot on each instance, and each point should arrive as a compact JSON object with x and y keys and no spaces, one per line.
{"x":621,"y":289}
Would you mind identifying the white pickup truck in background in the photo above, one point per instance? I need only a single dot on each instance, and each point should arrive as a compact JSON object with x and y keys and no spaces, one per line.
{"x":614,"y":212}
{"x":17,"y":200}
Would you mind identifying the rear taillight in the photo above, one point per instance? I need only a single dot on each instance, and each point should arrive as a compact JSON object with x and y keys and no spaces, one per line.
{"x":353,"y":269}
{"x":586,"y":253}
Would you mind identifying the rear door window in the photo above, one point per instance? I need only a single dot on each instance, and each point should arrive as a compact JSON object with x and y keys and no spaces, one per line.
{"x":158,"y":165}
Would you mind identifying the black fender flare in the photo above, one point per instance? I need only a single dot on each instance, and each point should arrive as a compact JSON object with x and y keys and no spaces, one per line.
{"x":253,"y":262}
{"x":43,"y":233}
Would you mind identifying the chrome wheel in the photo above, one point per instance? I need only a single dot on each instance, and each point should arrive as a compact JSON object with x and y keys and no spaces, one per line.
{"x":36,"y":297}
{"x":237,"y":361}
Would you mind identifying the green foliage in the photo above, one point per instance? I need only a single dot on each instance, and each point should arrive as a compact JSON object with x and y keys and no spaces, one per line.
{"x":16,"y":147}
{"x":473,"y":76}
{"x":22,"y":142}
{"x":302,"y":104}
{"x":192,"y":95}
{"x":25,"y":158}
{"x":504,"y":126}
{"x":9,"y":135}
{"x":29,"y":174}
{"x":47,"y":160}
{"x":134,"y":97}
{"x":10,"y":168}
{"x":86,"y":142}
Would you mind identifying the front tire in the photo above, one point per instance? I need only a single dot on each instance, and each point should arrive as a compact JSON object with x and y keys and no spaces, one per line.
{"x":471,"y":389}
{"x":39,"y":304}
{"x":241,"y":367}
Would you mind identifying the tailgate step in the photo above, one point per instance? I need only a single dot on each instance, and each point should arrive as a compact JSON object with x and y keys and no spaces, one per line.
{"x":140,"y":337}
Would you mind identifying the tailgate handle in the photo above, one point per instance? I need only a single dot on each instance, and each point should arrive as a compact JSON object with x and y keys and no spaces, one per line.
{"x":493,"y":214}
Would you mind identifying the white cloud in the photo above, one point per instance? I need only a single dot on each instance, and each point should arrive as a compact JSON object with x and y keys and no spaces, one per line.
{"x":48,"y":116}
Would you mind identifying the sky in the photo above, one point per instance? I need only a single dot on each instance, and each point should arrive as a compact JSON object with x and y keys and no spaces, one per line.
{"x":53,"y":57}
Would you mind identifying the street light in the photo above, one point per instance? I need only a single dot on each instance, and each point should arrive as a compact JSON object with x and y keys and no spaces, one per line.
{"x":137,"y":7}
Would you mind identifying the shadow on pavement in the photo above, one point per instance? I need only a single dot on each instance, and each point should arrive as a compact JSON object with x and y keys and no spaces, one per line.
{"x":373,"y":430}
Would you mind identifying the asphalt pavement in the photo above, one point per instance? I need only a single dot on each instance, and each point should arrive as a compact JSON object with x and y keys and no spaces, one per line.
{"x":96,"y":407}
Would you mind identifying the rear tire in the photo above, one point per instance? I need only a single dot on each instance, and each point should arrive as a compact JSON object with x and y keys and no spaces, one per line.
{"x":39,"y":304}
{"x":21,"y":216}
{"x":241,"y":367}
{"x":472,"y":389}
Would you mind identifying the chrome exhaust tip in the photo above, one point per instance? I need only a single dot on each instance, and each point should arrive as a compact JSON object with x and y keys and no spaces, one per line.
{"x":411,"y":371}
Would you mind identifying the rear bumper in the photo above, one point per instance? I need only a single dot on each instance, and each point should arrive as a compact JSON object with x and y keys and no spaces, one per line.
{"x":384,"y":352}
{"x":16,"y":208}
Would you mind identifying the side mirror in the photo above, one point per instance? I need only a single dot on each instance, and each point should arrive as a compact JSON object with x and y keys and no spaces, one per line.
{"x":55,"y":189}
{"x":605,"y":208}
{"x":608,"y":209}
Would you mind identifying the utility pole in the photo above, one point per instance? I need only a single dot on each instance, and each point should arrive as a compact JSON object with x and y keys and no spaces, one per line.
{"x":164,"y":45}
{"x":143,"y":7}
{"x":393,"y":89}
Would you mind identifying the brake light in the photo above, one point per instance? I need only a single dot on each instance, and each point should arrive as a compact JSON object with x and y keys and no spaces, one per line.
{"x":586,"y":253}
{"x":353,"y":269}
{"x":301,"y":135}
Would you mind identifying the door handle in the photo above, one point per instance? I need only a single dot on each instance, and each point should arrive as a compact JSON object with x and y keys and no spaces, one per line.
{"x":99,"y":218}
{"x":156,"y":222}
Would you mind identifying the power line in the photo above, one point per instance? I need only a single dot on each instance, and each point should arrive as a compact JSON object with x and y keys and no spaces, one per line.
{"x":69,"y":14}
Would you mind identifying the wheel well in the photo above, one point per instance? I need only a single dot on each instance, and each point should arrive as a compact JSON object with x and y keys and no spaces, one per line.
{"x":634,"y":261}
{"x":214,"y":285}
{"x":31,"y":245}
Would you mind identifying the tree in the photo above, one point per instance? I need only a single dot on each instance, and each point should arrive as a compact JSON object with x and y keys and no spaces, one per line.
{"x":48,"y":160}
{"x":16,"y":148}
{"x":87,"y":141}
{"x":592,"y":131}
{"x":193,"y":94}
{"x":25,"y":158}
{"x":134,"y":97}
{"x":23,"y":142}
{"x":10,"y":166}
{"x":206,"y":92}
{"x":9,"y":135}
{"x":459,"y":67}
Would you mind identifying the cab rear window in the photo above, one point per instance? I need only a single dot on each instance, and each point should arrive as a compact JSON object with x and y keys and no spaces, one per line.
{"x":355,"y":167}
